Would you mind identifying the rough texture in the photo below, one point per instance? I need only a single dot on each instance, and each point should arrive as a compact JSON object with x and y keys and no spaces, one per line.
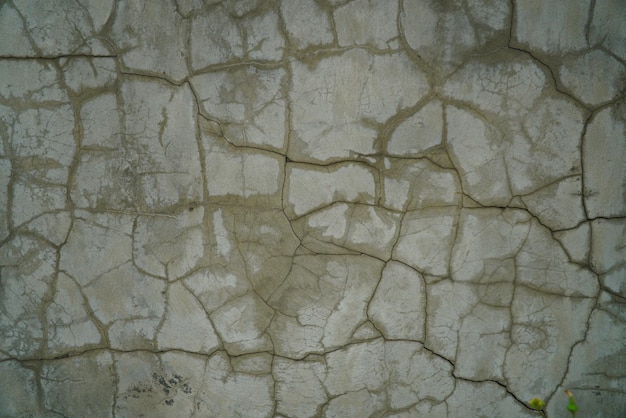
{"x":298,"y":208}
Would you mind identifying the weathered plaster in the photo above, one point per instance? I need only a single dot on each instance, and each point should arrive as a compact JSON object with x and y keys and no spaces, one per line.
{"x":302,"y":208}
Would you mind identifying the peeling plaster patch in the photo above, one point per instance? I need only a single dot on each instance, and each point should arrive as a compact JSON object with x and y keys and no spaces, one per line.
{"x":492,"y":13}
{"x":544,"y":329}
{"x":160,"y":122}
{"x":607,"y":27}
{"x":214,"y":38}
{"x":608,"y":245}
{"x":241,"y":324}
{"x":43,"y":143}
{"x":304,"y":339}
{"x":499,"y":403}
{"x":151,"y":38}
{"x":81,"y":74}
{"x":487,"y":241}
{"x":425,"y":240}
{"x":419,"y":132}
{"x":18,"y":43}
{"x":248,"y":102}
{"x":445,"y":34}
{"x":508,"y":88}
{"x":544,"y":149}
{"x":481,"y":356}
{"x":21,"y":395}
{"x":359,"y":228}
{"x":332,"y":100}
{"x":214,"y":288}
{"x":348,"y":372}
{"x":559,"y":205}
{"x":246,"y":175}
{"x":221,"y":389}
{"x":448,"y":303}
{"x":361,"y":403}
{"x":426,"y":26}
{"x":595,"y":77}
{"x":59,"y":28}
{"x":171,"y":247}
{"x":27,"y":274}
{"x":576,"y":242}
{"x":266,"y":244}
{"x":398,"y":307}
{"x":54,"y":226}
{"x":306,"y":24}
{"x":310,"y":187}
{"x":418,"y":184}
{"x":327,"y":296}
{"x":221,"y":234}
{"x":219,"y":37}
{"x":417,"y":375}
{"x":484,"y":175}
{"x":132,"y":302}
{"x":64,"y":381}
{"x":604,"y":150}
{"x":548,"y":147}
{"x":331,"y":222}
{"x":5,"y":176}
{"x":252,"y":177}
{"x":169,"y":382}
{"x":42,"y":85}
{"x":557,"y":27}
{"x":264,"y":38}
{"x":96,"y":245}
{"x":364,"y":22}
{"x":302,"y":380}
{"x":69,"y":324}
{"x":542,"y":265}
{"x":30,"y":201}
{"x":611,"y":351}
{"x":186,"y":326}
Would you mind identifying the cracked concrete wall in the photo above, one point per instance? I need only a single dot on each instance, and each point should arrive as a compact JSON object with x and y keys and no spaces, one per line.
{"x":307,"y":208}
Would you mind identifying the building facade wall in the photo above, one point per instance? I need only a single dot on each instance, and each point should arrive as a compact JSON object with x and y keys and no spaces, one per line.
{"x":312,"y":208}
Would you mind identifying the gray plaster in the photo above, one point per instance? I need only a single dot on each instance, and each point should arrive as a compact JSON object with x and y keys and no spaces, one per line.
{"x":312,"y":208}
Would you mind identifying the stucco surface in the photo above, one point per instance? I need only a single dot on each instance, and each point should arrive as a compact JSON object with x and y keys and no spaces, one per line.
{"x":312,"y":208}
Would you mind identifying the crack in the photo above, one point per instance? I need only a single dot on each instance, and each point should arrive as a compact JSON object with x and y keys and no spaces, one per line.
{"x":239,"y":146}
{"x":150,"y":75}
{"x":54,"y":58}
{"x":576,"y":343}
{"x":243,"y":62}
{"x":590,"y":13}
{"x":503,"y":386}
{"x":552,"y":77}
{"x":311,"y":56}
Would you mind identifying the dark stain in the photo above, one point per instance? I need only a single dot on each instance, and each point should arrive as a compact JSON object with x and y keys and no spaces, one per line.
{"x":165,"y":387}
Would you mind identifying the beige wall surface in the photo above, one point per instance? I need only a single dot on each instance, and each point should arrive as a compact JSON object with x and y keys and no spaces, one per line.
{"x":312,"y":208}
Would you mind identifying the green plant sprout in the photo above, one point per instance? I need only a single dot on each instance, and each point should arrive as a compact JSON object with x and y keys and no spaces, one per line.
{"x":571,"y":406}
{"x":539,"y":405}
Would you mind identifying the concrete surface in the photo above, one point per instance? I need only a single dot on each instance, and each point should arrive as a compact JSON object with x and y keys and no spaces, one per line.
{"x":306,"y":208}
